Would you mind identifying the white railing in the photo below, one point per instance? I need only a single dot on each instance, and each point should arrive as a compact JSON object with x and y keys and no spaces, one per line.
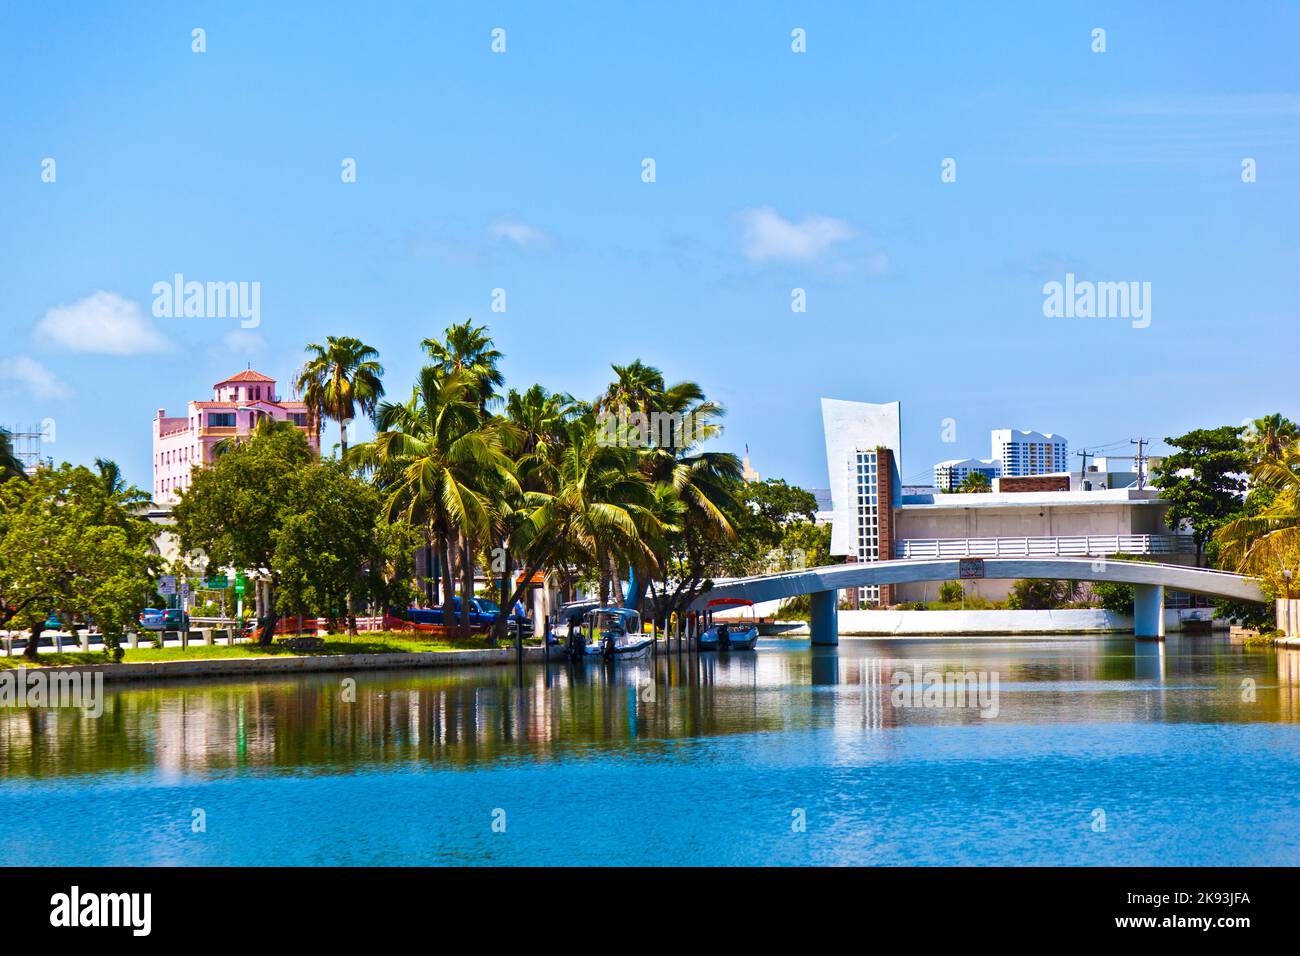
{"x":1089,"y":544}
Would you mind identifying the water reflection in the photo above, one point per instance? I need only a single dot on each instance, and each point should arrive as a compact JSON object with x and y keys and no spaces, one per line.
{"x":310,"y":724}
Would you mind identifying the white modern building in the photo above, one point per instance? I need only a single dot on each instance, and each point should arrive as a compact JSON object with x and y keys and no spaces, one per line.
{"x":948,"y":475}
{"x":1039,"y":509}
{"x":1030,"y":453}
{"x":863,"y":448}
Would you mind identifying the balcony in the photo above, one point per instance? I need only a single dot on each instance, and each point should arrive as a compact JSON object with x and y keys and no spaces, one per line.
{"x":1063,"y":546}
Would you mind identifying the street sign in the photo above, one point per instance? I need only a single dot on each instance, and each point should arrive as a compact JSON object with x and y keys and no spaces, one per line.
{"x":167,"y":584}
{"x":216,"y":584}
{"x":239,"y":583}
{"x":968,"y":568}
{"x":185,"y":589}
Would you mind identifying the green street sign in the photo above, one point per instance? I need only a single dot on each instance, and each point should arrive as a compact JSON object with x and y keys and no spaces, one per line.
{"x":239,"y":584}
{"x":216,"y":584}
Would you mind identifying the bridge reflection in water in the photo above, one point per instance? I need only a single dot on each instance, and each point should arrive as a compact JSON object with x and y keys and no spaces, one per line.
{"x":469,"y":718}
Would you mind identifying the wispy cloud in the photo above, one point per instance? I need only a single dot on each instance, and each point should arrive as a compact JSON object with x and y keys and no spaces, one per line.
{"x":767,"y":235}
{"x":244,"y":342}
{"x":22,"y":374}
{"x":103,"y":323}
{"x":520,"y":233}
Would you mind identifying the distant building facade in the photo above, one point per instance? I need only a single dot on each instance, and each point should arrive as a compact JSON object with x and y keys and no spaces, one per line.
{"x":181,"y":444}
{"x":1035,"y":507}
{"x":948,"y":475}
{"x":1029,"y":453}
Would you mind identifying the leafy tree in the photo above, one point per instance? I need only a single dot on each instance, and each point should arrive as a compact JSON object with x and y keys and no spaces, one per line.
{"x":1202,"y":480}
{"x":341,"y":377}
{"x":235,"y":506}
{"x":333,"y":549}
{"x":975,"y":482}
{"x":10,"y":466}
{"x":764,"y":513}
{"x":68,"y":545}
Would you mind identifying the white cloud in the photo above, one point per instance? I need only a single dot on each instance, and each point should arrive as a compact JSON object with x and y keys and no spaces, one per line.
{"x":24,"y":374}
{"x":244,"y":342}
{"x":104,"y":323}
{"x":769,"y":235}
{"x":520,"y":233}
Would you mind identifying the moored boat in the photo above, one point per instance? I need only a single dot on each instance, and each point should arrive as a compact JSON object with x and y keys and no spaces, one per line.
{"x":739,"y":635}
{"x":611,"y":634}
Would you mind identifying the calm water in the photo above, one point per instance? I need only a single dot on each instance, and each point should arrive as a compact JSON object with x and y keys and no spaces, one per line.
{"x":715,"y":761}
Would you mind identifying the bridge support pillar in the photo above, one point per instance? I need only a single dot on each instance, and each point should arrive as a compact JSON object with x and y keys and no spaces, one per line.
{"x":1149,"y":612}
{"x":824,"y":621}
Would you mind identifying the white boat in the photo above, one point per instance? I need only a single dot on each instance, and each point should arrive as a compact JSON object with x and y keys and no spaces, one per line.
{"x":612,"y":634}
{"x":739,"y":635}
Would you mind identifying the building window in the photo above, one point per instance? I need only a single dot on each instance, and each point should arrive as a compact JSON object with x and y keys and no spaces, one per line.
{"x":221,"y":419}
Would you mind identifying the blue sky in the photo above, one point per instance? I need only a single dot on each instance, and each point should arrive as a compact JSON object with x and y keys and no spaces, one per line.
{"x":774,"y":171}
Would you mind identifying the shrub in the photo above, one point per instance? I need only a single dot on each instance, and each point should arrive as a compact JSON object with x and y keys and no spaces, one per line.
{"x":951,"y":592}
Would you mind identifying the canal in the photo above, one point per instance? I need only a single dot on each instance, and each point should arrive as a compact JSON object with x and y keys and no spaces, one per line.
{"x":1064,"y":751}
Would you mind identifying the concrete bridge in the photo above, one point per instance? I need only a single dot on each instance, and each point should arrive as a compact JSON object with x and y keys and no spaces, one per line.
{"x":1149,"y":581}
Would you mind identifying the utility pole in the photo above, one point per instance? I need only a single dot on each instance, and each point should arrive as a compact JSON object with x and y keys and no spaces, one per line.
{"x":1083,"y":462}
{"x":1141,"y":470}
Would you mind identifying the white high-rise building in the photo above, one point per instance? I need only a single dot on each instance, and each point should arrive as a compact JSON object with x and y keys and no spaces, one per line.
{"x":863,"y":447}
{"x":1030,"y":453}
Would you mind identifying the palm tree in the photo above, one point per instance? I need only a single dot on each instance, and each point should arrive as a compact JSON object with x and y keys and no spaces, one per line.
{"x":128,"y":496}
{"x":600,"y":505}
{"x":467,"y":347}
{"x":340,"y":378}
{"x":1250,"y":543}
{"x":441,"y":464}
{"x":264,"y":425}
{"x":10,"y":466}
{"x":1269,"y":436}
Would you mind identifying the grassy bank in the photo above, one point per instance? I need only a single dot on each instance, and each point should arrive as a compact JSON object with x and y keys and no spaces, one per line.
{"x":381,"y":642}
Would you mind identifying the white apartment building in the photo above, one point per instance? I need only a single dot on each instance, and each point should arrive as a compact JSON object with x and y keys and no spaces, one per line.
{"x":1023,"y":453}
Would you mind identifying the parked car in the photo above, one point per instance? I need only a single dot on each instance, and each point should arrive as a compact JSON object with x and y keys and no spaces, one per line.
{"x":151,"y":619}
{"x":170,"y":619}
{"x":482,"y":613}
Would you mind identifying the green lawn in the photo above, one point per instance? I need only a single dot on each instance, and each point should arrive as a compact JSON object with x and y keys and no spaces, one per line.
{"x":381,"y":642}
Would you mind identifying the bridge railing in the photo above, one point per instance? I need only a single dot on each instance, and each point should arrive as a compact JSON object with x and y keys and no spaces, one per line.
{"x":1055,"y":546}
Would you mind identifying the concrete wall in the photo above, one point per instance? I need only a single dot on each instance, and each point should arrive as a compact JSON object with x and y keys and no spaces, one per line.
{"x":1083,"y":621}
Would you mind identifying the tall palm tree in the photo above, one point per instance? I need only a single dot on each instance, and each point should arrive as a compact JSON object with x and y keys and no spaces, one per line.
{"x":441,"y":464}
{"x":1249,"y":543}
{"x":10,"y":466}
{"x":601,"y":504}
{"x":467,"y":347}
{"x":1269,"y":436}
{"x":341,"y":378}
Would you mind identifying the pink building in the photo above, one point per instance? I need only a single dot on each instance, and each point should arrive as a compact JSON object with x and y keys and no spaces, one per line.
{"x":182,"y":444}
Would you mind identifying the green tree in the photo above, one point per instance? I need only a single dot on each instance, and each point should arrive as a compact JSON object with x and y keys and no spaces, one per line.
{"x":10,"y":466}
{"x":235,"y":506}
{"x":1268,"y":437}
{"x":68,"y":545}
{"x":975,"y":482}
{"x":334,"y":552}
{"x":1262,"y":538}
{"x":1202,"y":480}
{"x":341,"y":378}
{"x":439,"y":464}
